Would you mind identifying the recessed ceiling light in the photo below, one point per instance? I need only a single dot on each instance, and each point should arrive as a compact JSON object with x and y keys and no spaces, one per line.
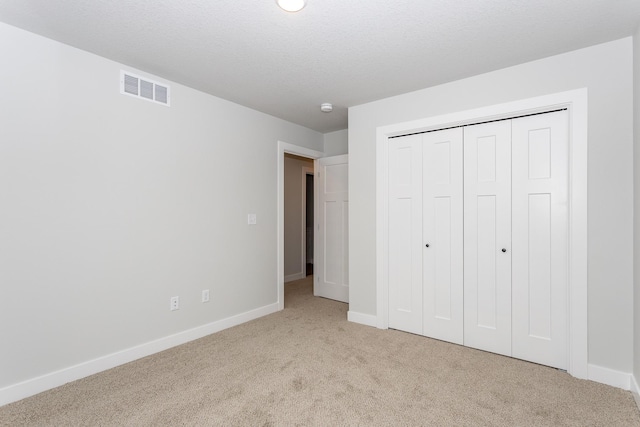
{"x":292,"y":5}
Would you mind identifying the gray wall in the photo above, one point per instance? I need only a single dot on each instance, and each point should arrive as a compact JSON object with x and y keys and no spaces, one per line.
{"x":636,"y":234}
{"x":336,"y":143}
{"x":606,"y":70}
{"x":293,"y":217}
{"x":111,"y":205}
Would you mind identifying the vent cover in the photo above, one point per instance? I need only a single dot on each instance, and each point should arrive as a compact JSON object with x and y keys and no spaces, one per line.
{"x":141,"y":87}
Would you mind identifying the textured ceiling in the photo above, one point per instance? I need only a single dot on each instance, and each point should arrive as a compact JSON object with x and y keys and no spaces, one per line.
{"x":343,"y":52}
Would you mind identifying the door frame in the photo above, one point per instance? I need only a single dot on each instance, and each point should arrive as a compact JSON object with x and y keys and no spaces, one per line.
{"x":284,"y":147}
{"x":576,"y":102}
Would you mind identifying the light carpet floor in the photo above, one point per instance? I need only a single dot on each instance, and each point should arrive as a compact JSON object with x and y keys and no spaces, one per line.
{"x":308,"y":366}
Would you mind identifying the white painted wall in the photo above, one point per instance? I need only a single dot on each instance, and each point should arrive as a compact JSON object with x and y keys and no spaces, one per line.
{"x":636,"y":233}
{"x":336,"y":143}
{"x":110,"y":205}
{"x":606,"y":70}
{"x":294,"y":268}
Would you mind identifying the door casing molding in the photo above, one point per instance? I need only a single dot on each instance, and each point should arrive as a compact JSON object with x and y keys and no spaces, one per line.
{"x":575,"y":102}
{"x":284,"y":147}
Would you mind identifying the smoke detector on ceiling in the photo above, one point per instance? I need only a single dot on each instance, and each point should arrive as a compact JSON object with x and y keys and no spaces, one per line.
{"x":326,"y":107}
{"x":292,"y":5}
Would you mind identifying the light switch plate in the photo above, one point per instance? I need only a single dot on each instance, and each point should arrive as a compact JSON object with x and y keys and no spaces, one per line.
{"x":252,"y":219}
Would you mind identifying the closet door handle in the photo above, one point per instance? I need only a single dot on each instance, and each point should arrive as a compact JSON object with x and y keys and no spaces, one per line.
{"x":504,"y":250}
{"x":427,"y":245}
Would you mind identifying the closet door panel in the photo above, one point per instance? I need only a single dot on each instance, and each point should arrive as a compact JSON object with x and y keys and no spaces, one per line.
{"x":405,"y":234}
{"x":540,"y":238}
{"x":487,"y":237}
{"x":442,"y":232}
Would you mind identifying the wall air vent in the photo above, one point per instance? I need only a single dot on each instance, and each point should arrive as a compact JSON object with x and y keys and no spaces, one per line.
{"x":141,"y":87}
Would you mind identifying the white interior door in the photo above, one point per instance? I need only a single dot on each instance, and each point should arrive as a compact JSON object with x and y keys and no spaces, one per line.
{"x":487,"y":237}
{"x":405,"y":234}
{"x":442,"y":230}
{"x":332,"y":269}
{"x":540,"y":238}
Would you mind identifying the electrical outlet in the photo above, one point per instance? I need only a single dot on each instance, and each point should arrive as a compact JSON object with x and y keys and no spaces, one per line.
{"x":175,"y":303}
{"x":205,"y":295}
{"x":252,"y":219}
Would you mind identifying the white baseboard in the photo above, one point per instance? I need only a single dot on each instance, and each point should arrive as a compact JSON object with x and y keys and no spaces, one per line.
{"x":610,"y":377}
{"x":363,"y":319}
{"x":635,"y":390}
{"x":292,"y":277}
{"x":51,"y":380}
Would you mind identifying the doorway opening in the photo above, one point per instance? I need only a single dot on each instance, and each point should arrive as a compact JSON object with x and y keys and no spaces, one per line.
{"x":309,"y":219}
{"x":296,"y":216}
{"x":308,"y":154}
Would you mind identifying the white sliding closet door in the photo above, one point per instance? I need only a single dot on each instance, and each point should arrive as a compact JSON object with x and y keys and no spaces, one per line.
{"x":540,"y":238}
{"x":405,"y":234}
{"x":442,"y":231}
{"x":487,"y":237}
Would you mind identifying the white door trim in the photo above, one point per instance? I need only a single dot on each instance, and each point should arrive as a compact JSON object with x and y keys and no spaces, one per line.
{"x":284,"y":147}
{"x":576,"y":103}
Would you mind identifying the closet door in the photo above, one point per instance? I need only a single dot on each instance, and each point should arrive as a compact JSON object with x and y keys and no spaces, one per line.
{"x":442,"y":267}
{"x":487,"y":237}
{"x":405,"y":234}
{"x":540,"y":238}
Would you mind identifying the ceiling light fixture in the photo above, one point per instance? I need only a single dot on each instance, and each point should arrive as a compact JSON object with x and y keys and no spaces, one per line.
{"x":326,"y":107}
{"x":292,"y":5}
